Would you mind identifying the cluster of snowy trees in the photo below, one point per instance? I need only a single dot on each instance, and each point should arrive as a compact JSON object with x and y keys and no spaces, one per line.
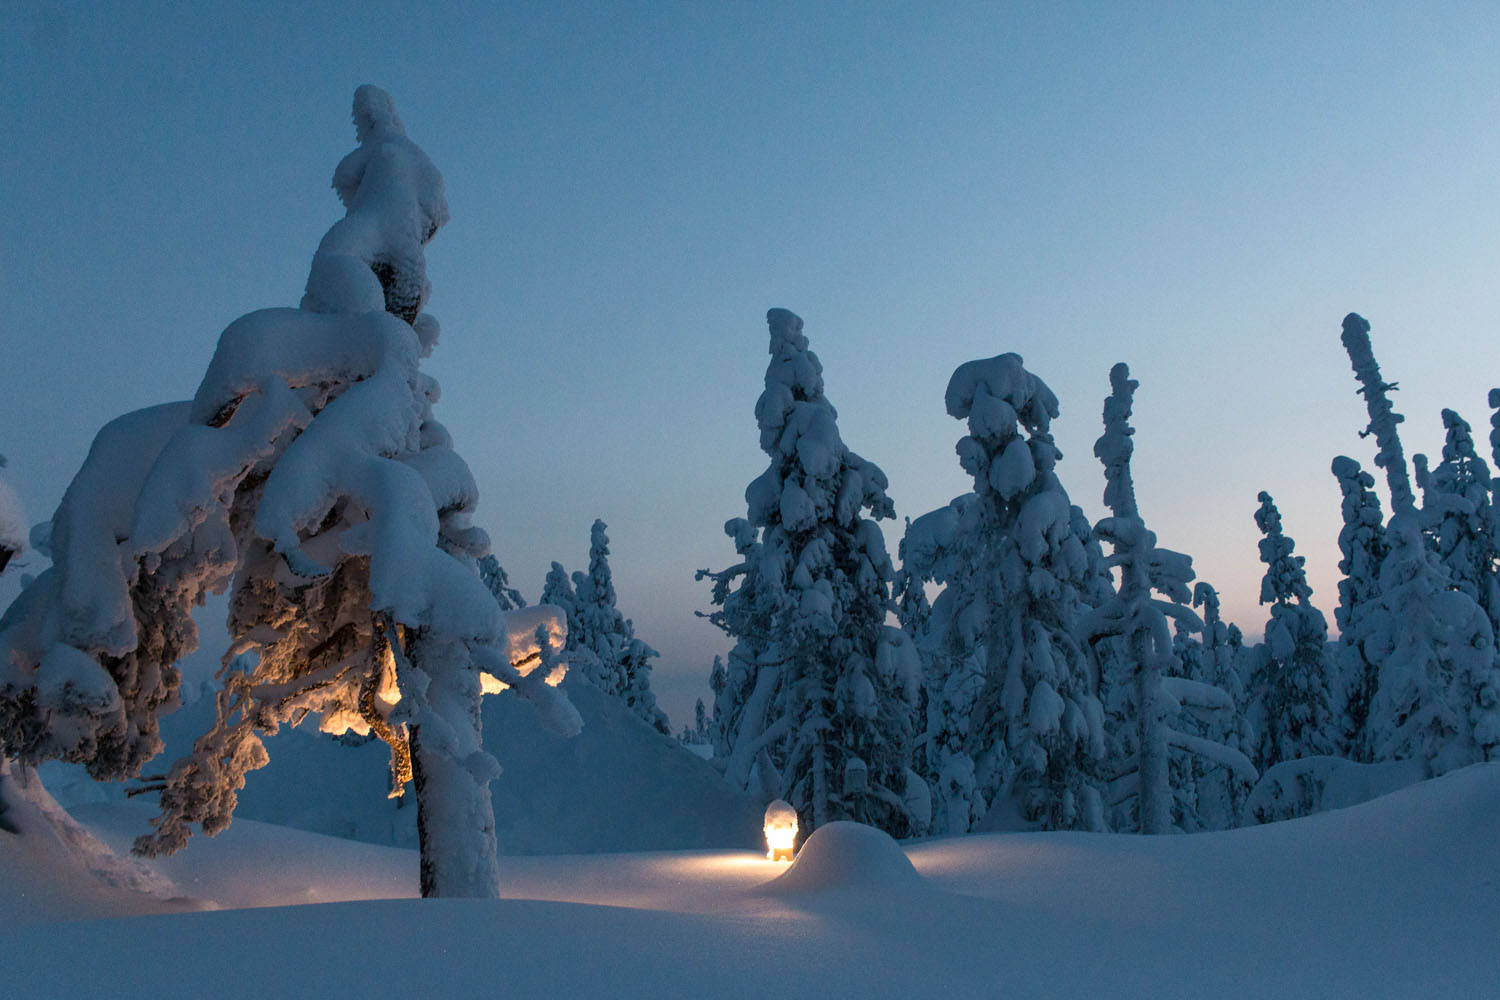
{"x":1009,"y":674}
{"x":1035,"y":681}
{"x":601,"y":641}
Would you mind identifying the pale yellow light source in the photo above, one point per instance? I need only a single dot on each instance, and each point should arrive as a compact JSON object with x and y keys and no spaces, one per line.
{"x":781,"y":831}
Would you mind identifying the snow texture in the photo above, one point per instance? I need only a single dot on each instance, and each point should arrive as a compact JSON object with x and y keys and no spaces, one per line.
{"x":1377,"y":901}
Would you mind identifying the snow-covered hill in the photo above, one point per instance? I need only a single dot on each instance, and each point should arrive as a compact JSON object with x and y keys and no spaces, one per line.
{"x":617,"y":786}
{"x":1397,"y":897}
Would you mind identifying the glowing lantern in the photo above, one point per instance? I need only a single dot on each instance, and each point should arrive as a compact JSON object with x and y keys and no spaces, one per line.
{"x":781,"y":830}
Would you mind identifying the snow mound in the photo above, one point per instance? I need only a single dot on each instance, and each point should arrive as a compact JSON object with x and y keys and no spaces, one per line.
{"x":54,"y":869}
{"x":847,"y":855}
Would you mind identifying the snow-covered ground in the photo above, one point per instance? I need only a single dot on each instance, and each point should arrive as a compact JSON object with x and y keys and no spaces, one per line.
{"x":1398,"y":897}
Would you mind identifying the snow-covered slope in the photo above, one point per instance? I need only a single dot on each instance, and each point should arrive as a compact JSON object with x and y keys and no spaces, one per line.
{"x":617,"y":786}
{"x":1397,"y":897}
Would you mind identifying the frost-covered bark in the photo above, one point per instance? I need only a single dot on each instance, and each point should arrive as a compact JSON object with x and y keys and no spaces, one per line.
{"x":1013,"y":706}
{"x":1138,"y":621}
{"x":820,"y":693}
{"x":309,"y":474}
{"x":1437,"y":696}
{"x":1291,"y":685}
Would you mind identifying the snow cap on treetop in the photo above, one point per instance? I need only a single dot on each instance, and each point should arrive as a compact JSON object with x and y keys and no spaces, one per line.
{"x":1002,"y":377}
{"x":375,"y":114}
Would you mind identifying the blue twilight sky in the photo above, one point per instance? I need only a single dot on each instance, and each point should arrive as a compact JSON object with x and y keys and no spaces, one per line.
{"x":1202,"y":190}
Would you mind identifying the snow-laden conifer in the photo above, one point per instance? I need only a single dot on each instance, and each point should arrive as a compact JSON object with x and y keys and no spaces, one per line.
{"x":1220,"y":792}
{"x":1012,"y":686}
{"x":1141,"y":792}
{"x":820,"y":691}
{"x":1437,"y":698}
{"x":557,"y":592}
{"x":718,"y":683}
{"x":309,"y":475}
{"x":1361,"y":548}
{"x":620,"y":664}
{"x":497,"y":581}
{"x":1291,"y":686}
{"x":1458,"y":515}
{"x":12,"y":523}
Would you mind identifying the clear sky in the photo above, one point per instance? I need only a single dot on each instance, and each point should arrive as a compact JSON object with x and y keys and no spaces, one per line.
{"x":1201,"y":190}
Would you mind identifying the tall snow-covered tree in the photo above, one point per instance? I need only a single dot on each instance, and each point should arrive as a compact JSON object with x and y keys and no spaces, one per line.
{"x":1457,"y":514}
{"x":309,"y":475}
{"x":820,"y":692}
{"x":1291,"y":684}
{"x":1437,"y":696}
{"x":718,"y":682}
{"x":1013,"y":684}
{"x":1361,"y":548}
{"x":952,"y":678}
{"x":1141,"y":792}
{"x":1220,"y":793}
{"x":557,"y":592}
{"x":12,"y":523}
{"x":621,"y":663}
{"x":497,"y":581}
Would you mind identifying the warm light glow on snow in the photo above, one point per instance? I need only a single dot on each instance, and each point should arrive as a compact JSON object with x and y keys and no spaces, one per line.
{"x":781,"y":831}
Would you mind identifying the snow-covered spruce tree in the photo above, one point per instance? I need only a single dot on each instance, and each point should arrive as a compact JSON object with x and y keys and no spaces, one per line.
{"x":621,"y":663}
{"x":1220,"y":793}
{"x":1145,"y":654}
{"x":718,"y":681}
{"x":1458,"y":516}
{"x":1437,"y":696}
{"x":557,"y":592}
{"x":1291,"y":685}
{"x":821,"y":692}
{"x":309,"y":475}
{"x":12,"y":523}
{"x":599,"y":621}
{"x":1362,"y":548}
{"x":497,"y":581}
{"x":952,"y":679}
{"x":1013,"y":572}
{"x":12,"y":543}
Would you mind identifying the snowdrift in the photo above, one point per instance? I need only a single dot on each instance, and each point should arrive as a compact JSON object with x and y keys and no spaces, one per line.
{"x":1393,"y":898}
